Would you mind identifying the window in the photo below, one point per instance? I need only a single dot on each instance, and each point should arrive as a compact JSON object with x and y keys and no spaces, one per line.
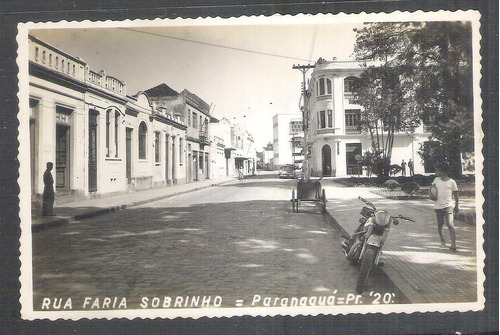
{"x":181,"y":152}
{"x":142,"y":140}
{"x":157,"y":146}
{"x":329,"y":117}
{"x":37,"y":53}
{"x":324,"y":86}
{"x":108,"y":116}
{"x":349,"y":83}
{"x":195,"y":120}
{"x":50,"y":59}
{"x":44,"y":56}
{"x":189,"y":117}
{"x":295,"y":127}
{"x":352,"y":117}
{"x":57,"y":62}
{"x":62,"y":64}
{"x":201,"y":121}
{"x":322,"y":119}
{"x":117,"y":118}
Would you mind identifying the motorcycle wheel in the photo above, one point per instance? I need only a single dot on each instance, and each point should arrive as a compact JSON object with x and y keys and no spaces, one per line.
{"x":355,"y":256}
{"x":366,"y":266}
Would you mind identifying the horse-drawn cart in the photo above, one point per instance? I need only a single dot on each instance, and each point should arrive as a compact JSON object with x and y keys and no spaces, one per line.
{"x":308,"y":190}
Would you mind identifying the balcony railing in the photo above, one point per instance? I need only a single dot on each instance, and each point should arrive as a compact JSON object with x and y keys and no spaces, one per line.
{"x":95,"y":78}
{"x":325,"y":131}
{"x":352,"y":130}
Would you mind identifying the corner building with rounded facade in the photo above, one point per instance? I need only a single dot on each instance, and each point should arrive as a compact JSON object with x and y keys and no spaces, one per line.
{"x":334,"y":136}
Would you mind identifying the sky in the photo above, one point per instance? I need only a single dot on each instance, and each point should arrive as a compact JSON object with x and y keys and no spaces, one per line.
{"x":243,"y":70}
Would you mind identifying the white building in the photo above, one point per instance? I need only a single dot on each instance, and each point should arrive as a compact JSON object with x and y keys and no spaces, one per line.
{"x":334,"y":136}
{"x":288,"y":139}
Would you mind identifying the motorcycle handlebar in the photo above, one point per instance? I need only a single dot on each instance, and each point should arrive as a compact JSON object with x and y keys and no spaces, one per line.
{"x":367,"y":202}
{"x":405,"y":218}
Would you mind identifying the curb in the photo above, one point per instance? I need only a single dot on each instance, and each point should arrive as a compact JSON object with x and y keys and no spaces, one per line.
{"x":410,"y":293}
{"x":58,"y":221}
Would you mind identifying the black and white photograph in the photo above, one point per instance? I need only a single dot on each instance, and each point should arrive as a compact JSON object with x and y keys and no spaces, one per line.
{"x":304,"y":165}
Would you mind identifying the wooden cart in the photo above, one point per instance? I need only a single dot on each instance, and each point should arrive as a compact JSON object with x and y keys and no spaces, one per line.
{"x":308,"y":190}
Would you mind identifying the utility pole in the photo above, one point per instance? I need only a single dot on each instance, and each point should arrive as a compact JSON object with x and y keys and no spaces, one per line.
{"x":305,"y":116}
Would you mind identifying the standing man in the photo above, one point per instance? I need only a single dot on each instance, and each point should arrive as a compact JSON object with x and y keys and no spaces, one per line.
{"x":48,"y":191}
{"x":410,"y":166}
{"x":403,"y":168}
{"x":443,"y":191}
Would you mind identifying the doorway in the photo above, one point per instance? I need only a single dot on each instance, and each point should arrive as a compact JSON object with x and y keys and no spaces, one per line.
{"x":62,"y":157}
{"x":352,"y":150}
{"x":167,"y":149}
{"x":128,"y":154}
{"x":93,"y":150}
{"x":326,"y":154}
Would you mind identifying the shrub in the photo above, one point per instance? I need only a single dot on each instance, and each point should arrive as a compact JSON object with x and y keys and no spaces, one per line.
{"x":410,"y":188}
{"x":391,"y":184}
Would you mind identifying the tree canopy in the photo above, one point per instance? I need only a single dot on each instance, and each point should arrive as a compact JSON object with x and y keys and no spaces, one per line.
{"x":417,"y":71}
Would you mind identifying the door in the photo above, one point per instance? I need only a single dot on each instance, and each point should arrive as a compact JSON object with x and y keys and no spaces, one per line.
{"x":62,"y":158}
{"x":128,"y":154}
{"x":326,"y":154}
{"x":353,"y":149}
{"x":167,"y":174}
{"x":93,"y":151}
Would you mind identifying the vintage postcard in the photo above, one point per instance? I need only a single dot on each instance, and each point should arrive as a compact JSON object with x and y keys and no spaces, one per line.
{"x":262,"y":166}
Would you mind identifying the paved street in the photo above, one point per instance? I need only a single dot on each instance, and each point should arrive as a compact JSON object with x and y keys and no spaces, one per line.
{"x":235,"y":241}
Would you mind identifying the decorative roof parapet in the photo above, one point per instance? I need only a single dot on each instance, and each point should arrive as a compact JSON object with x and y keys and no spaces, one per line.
{"x":62,"y":63}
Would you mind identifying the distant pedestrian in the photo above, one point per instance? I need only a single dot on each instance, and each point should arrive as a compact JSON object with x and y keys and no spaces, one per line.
{"x":410,"y":166}
{"x":240,"y":174}
{"x":48,"y":191}
{"x":403,"y":168}
{"x":443,"y":190}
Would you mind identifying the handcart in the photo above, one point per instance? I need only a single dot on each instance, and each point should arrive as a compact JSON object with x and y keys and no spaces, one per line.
{"x":309,"y":190}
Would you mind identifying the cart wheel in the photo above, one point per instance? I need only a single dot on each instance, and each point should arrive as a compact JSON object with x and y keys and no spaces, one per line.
{"x":293,"y":201}
{"x":323,"y":201}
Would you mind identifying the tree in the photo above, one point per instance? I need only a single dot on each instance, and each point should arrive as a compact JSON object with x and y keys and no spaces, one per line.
{"x":268,"y":147}
{"x":423,"y":72}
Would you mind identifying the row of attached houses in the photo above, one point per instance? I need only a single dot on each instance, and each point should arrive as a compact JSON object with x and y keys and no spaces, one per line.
{"x":103,"y":141}
{"x":334,"y":137}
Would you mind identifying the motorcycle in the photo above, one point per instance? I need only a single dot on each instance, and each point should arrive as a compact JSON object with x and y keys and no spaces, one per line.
{"x":365,"y":245}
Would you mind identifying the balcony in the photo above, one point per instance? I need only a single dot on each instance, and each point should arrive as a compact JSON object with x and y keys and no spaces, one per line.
{"x":352,"y":130}
{"x":203,"y":138}
{"x":323,"y":131}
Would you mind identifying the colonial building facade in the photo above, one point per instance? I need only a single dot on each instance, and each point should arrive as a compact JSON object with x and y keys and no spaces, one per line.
{"x":288,"y":140}
{"x":334,"y":136}
{"x":103,"y":141}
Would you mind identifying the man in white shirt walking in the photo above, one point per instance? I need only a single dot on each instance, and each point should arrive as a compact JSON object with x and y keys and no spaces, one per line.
{"x":444,"y":206}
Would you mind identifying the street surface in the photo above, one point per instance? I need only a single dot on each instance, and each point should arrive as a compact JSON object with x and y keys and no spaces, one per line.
{"x":237,"y":241}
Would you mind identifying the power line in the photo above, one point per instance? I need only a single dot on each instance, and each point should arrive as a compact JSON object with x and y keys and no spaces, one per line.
{"x":216,"y":45}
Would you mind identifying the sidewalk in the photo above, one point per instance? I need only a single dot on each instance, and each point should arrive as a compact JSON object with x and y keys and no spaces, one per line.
{"x":413,"y":257}
{"x":82,"y":209}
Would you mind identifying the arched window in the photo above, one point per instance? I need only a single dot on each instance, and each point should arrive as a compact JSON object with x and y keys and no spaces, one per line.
{"x":37,"y":53}
{"x":57,"y":62}
{"x":142,"y":140}
{"x":349,"y":84}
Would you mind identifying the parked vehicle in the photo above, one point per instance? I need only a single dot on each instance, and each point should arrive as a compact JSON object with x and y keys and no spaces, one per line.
{"x":364,"y":247}
{"x":289,"y":171}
